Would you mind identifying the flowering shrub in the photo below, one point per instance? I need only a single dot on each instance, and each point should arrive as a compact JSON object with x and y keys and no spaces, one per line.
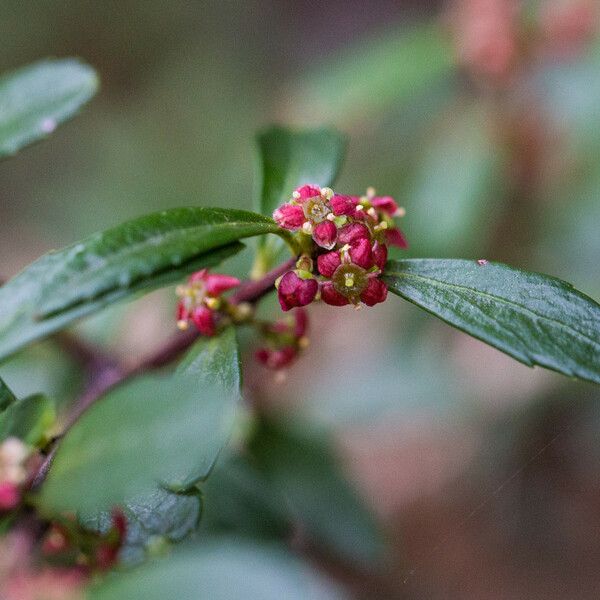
{"x":121,"y":475}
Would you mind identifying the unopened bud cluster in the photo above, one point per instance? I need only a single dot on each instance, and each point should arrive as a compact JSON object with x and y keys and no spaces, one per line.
{"x":284,"y":340}
{"x":201,"y":302}
{"x":349,"y":247}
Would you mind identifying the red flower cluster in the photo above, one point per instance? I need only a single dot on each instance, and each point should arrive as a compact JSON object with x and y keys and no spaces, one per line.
{"x":284,"y":340}
{"x":355,"y":232}
{"x":200,"y":300}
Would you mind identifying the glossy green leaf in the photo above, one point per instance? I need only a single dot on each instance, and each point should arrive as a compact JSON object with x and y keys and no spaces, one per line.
{"x":29,"y":420}
{"x":6,"y":395}
{"x":290,"y":158}
{"x":151,"y":431}
{"x":139,"y":255}
{"x":220,"y":570}
{"x":537,"y":319}
{"x":372,"y":75}
{"x":302,"y":465}
{"x":154,"y":521}
{"x":36,"y":98}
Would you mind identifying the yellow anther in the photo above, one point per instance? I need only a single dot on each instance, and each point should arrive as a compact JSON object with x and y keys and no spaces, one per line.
{"x":400,"y":212}
{"x":349,"y":280}
{"x":303,"y":343}
{"x":371,"y":192}
{"x":212,"y":303}
{"x":182,"y":325}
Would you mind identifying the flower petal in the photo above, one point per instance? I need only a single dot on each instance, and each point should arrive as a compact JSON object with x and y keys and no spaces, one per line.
{"x":361,"y":254}
{"x":294,"y":291}
{"x":331,"y":296}
{"x":394,"y":237}
{"x":325,"y":234}
{"x":217,"y":283}
{"x":328,"y":263}
{"x":353,"y":232}
{"x":375,"y":292}
{"x":289,"y":216}
{"x":204,"y":320}
{"x":343,"y":205}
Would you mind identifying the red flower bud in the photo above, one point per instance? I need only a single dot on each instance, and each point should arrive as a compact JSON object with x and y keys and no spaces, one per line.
{"x":328,"y":263}
{"x":380,"y":254}
{"x":375,"y":292}
{"x":294,"y":291}
{"x":216,"y":283}
{"x":204,"y":319}
{"x":9,"y":496}
{"x":324,"y":234}
{"x":343,"y":205}
{"x":289,"y":216}
{"x":394,"y":237}
{"x":360,"y":253}
{"x":330,"y":295}
{"x":353,"y":232}
{"x":307,"y":191}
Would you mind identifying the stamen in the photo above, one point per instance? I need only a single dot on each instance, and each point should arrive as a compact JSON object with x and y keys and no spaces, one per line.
{"x":182,"y":325}
{"x":307,"y":228}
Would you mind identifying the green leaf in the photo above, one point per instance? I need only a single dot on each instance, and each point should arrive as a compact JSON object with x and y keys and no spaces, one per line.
{"x":148,"y":432}
{"x":154,"y":521}
{"x":290,"y":158}
{"x":240,"y":500}
{"x":36,"y":98}
{"x":220,"y":570}
{"x":373,"y":74}
{"x":302,"y":465}
{"x":6,"y":395}
{"x":29,"y":420}
{"x":139,"y":255}
{"x":537,"y":319}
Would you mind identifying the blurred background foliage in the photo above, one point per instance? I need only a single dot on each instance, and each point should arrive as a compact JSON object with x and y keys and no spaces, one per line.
{"x":481,"y":118}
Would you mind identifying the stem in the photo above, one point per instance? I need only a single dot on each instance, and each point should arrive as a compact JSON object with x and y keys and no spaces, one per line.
{"x":111,"y":374}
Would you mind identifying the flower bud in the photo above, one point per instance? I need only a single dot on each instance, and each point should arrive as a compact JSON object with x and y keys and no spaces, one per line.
{"x":385,"y":204}
{"x":216,"y":283}
{"x":324,"y":234}
{"x":294,"y":291}
{"x":306,"y":191}
{"x":204,"y":320}
{"x":289,"y":216}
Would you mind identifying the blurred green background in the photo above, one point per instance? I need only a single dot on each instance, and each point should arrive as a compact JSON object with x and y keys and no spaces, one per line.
{"x":481,"y":119}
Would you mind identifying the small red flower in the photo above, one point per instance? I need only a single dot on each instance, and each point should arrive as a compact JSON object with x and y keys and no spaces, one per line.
{"x":199,"y":300}
{"x":294,"y":291}
{"x":276,"y":359}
